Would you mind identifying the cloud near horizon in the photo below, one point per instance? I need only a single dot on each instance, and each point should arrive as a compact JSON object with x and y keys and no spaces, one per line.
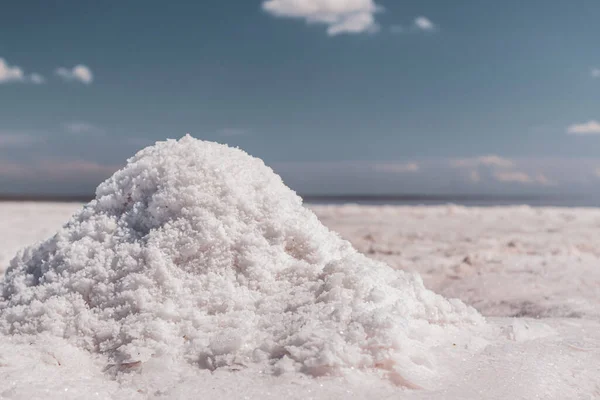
{"x":413,"y":177}
{"x":522,"y":177}
{"x":396,"y":168}
{"x":499,"y":169}
{"x":340,"y":17}
{"x":591,"y":127}
{"x":490,"y":160}
{"x":513,"y":176}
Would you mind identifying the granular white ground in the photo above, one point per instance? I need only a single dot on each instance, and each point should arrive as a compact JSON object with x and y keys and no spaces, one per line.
{"x":197,"y":253}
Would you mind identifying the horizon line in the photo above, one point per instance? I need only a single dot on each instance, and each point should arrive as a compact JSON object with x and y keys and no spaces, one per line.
{"x":45,"y":197}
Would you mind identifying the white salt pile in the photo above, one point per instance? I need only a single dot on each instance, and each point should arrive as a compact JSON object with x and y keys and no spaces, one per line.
{"x":198,"y":253}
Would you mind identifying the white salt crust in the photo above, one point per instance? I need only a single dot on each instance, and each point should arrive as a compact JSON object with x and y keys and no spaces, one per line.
{"x":198,"y":252}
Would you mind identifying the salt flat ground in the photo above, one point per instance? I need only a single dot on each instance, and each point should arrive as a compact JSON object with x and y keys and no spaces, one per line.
{"x":535,"y":272}
{"x":504,"y":261}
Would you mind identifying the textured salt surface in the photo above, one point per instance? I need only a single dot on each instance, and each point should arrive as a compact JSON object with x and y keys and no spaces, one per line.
{"x":523,"y":359}
{"x":504,"y":261}
{"x":198,"y":253}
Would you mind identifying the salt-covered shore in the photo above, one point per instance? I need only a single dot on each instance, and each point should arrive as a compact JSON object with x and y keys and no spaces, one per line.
{"x":506,"y":261}
{"x":197,"y":273}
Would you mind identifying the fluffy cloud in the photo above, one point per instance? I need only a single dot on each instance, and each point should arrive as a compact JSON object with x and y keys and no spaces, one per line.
{"x":396,"y":168}
{"x":487,"y":161}
{"x":79,"y":73}
{"x":13,"y":73}
{"x":595,"y":72}
{"x":424,"y":24}
{"x":588,"y":128}
{"x":340,"y":16}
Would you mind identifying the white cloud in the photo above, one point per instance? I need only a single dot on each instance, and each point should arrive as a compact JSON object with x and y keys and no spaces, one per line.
{"x":396,"y":168}
{"x":424,"y":24}
{"x":12,"y":140}
{"x":81,"y":127}
{"x":588,"y":128}
{"x":490,"y":160}
{"x":340,"y":16}
{"x":595,"y":72}
{"x":10,"y":73}
{"x":13,"y":73}
{"x":79,"y":73}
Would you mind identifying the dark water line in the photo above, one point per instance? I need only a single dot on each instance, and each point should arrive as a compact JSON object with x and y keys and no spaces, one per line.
{"x":466,"y":200}
{"x":367,"y":199}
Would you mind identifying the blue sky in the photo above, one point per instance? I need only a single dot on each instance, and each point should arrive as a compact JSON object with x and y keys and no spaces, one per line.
{"x":354,"y":96}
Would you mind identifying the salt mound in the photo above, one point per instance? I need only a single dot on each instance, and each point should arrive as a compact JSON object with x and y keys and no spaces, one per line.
{"x":196,"y":251}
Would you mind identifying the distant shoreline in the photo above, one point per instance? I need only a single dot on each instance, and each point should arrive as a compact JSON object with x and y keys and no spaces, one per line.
{"x":367,"y":199}
{"x":464,"y":200}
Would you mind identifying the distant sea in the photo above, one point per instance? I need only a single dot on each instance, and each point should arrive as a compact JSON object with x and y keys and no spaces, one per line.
{"x":465,"y":200}
{"x":366,"y":199}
